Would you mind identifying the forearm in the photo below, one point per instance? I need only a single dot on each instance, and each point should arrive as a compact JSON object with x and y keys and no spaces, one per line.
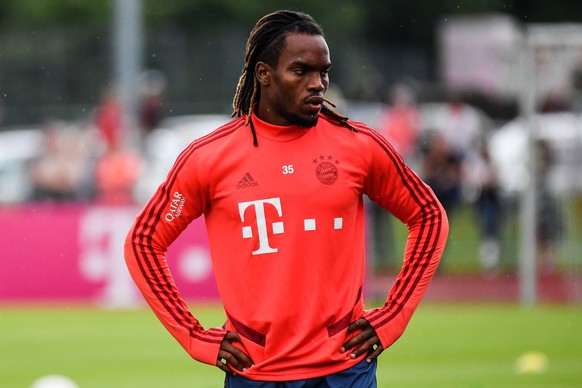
{"x":424,"y":247}
{"x":149,"y":269}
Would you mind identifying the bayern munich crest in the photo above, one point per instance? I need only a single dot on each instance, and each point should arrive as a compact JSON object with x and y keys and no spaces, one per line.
{"x":326,"y":169}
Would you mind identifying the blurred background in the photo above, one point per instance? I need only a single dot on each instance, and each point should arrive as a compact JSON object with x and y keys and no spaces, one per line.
{"x":482,"y":98}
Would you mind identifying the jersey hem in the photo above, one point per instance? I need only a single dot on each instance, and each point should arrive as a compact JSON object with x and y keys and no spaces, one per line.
{"x":277,"y":377}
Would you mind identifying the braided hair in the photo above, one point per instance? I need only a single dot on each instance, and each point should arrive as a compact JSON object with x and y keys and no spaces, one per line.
{"x":265,"y":43}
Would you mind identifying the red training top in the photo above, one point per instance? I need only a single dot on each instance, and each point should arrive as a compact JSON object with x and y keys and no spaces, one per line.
{"x":285,"y":224}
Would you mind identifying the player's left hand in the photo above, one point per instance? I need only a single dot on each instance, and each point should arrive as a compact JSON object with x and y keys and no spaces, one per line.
{"x":231,"y":358}
{"x":365,"y":342}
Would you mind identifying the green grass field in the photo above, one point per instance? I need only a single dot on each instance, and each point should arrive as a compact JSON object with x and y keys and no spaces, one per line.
{"x":468,"y":345}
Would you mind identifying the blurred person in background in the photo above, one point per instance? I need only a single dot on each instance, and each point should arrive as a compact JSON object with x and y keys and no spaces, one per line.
{"x":116,"y":165}
{"x":400,"y":124}
{"x":459,"y":126}
{"x":457,"y":166}
{"x":484,"y":177}
{"x":281,"y":190}
{"x":116,"y":174}
{"x":153,"y":89}
{"x":59,"y":174}
{"x":108,"y":118}
{"x":441,"y":169}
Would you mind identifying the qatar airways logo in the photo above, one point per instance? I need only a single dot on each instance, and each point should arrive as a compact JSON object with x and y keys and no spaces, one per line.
{"x":176,"y":207}
{"x":263,"y":226}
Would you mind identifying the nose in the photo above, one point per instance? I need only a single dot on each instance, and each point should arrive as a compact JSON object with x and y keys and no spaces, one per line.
{"x":318,"y":82}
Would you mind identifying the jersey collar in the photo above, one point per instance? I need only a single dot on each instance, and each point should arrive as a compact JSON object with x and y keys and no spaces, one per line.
{"x":280,"y":133}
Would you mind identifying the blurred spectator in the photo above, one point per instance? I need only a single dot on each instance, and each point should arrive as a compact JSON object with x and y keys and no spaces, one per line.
{"x":58,"y":174}
{"x":109,"y":117}
{"x":459,"y":168}
{"x":550,"y":226}
{"x":488,"y":207}
{"x":556,"y":101}
{"x":441,"y":169}
{"x":460,"y":126}
{"x":116,"y":174}
{"x":400,"y":124}
{"x":153,"y":89}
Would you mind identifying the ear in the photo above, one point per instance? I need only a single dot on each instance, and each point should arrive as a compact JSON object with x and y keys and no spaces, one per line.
{"x":263,"y":73}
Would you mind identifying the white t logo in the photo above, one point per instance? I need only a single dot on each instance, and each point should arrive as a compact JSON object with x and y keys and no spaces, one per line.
{"x":277,"y":227}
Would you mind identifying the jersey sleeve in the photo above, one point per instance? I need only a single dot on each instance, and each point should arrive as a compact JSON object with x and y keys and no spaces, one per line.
{"x":399,"y":190}
{"x":178,"y":201}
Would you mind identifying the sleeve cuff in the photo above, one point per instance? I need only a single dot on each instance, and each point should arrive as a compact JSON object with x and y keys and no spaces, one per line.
{"x":206,"y":350}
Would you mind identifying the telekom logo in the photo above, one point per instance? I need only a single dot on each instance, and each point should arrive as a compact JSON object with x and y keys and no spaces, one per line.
{"x":262,"y":226}
{"x":277,"y":227}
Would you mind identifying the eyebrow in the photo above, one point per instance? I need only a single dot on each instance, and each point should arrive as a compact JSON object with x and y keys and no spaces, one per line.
{"x":308,"y":65}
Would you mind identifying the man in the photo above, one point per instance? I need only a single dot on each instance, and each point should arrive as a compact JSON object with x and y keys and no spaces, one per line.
{"x":281,"y":191}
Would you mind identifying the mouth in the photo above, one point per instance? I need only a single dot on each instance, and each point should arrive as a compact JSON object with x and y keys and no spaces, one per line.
{"x":314,"y":102}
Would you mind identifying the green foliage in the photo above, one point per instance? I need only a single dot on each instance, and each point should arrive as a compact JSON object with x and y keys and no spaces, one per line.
{"x":380,"y":19}
{"x":204,"y":14}
{"x":39,"y":13}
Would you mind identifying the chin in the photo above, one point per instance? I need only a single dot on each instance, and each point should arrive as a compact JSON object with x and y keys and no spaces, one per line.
{"x":305,"y":121}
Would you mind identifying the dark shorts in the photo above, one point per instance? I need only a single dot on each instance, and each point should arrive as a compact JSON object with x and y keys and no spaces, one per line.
{"x":361,"y":375}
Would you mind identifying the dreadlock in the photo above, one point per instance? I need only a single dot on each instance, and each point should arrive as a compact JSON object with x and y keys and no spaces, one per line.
{"x":265,"y":43}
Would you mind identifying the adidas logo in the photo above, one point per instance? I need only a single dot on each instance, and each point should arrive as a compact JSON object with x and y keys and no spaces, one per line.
{"x":247,"y":181}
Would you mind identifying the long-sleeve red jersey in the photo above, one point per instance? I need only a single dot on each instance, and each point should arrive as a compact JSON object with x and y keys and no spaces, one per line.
{"x":285,"y":224}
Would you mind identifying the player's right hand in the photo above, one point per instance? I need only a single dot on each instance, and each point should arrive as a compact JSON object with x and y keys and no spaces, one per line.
{"x":231,"y":358}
